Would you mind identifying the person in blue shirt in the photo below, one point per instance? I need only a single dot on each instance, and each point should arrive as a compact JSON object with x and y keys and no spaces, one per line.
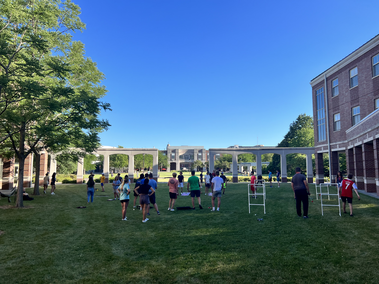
{"x":124,"y":191}
{"x":270,"y":177}
{"x":154,"y":185}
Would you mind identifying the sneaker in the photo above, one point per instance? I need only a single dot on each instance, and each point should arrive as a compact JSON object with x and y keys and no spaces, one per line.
{"x":158,"y":213}
{"x":172,"y":209}
{"x":169,"y":209}
{"x":44,"y":191}
{"x":148,"y":214}
{"x":52,"y":193}
{"x":201,"y":207}
{"x":125,"y":219}
{"x":147,"y":219}
{"x":305,"y":217}
{"x":218,"y":209}
{"x":351,"y":215}
{"x":144,"y":221}
{"x":212,"y":210}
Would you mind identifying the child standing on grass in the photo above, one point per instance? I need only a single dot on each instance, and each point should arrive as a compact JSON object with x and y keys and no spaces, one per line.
{"x":90,"y":188}
{"x":124,"y":191}
{"x":346,"y":192}
{"x":102,"y":179}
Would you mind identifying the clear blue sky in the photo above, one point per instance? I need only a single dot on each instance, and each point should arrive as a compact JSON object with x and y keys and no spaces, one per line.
{"x":215,"y":73}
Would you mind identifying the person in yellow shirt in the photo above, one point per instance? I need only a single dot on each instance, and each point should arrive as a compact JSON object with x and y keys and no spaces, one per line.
{"x":102,"y":179}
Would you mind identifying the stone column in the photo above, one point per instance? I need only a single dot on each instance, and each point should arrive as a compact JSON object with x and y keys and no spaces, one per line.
{"x":369,"y":167}
{"x":319,"y":168}
{"x":177,"y":160}
{"x":79,"y":173}
{"x":28,"y":170}
{"x":53,"y":163}
{"x":350,"y":161}
{"x":8,"y":174}
{"x":259,"y":164}
{"x":358,"y":161}
{"x":376,"y":159}
{"x":155,"y":166}
{"x":131,"y":168}
{"x":309,"y":168}
{"x":334,"y":160}
{"x":235,"y":167}
{"x":283,"y":165}
{"x":211,"y":162}
{"x":168,"y":160}
{"x":106,"y":167}
{"x":43,"y":160}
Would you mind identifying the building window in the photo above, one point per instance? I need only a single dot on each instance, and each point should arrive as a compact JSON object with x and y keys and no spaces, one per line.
{"x":354,"y":77}
{"x":337,"y":122}
{"x":356,"y":115}
{"x":376,"y":103}
{"x":335,"y":90}
{"x":320,"y":114}
{"x":375,"y":65}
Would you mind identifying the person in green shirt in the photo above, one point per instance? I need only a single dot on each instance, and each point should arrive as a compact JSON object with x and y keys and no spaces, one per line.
{"x":194,"y":184}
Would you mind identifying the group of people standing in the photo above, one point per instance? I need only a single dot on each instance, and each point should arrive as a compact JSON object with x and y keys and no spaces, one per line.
{"x":46,"y":181}
{"x":301,"y":191}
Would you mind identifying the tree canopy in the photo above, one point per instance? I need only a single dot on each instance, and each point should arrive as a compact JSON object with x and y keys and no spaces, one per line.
{"x":49,"y":91}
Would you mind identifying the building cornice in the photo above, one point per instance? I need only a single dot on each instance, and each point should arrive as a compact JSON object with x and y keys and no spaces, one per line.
{"x":347,"y":60}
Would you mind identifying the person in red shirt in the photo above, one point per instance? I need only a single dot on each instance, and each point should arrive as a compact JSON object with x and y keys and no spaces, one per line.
{"x":252,"y":181}
{"x":346,"y":192}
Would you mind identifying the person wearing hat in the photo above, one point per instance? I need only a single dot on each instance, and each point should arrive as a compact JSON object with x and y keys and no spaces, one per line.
{"x":102,"y":179}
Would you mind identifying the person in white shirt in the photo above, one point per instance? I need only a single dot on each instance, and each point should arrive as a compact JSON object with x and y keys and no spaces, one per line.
{"x":216,"y":188}
{"x":207,"y":183}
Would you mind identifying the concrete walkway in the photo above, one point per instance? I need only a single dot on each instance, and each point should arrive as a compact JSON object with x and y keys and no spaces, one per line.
{"x":372,"y":194}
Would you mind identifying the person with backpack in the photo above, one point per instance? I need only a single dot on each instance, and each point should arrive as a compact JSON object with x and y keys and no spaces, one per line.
{"x":90,"y":188}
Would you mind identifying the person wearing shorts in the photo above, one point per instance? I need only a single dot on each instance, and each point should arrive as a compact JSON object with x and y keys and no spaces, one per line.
{"x":270,"y":178}
{"x":143,"y":192}
{"x":181,"y":179}
{"x":116,"y":184}
{"x":217,"y":183}
{"x":173,"y":191}
{"x":102,"y":179}
{"x":346,"y":193}
{"x":207,"y":183}
{"x":138,"y":183}
{"x":194,"y":184}
{"x":224,"y":182}
{"x":154,"y":185}
{"x":53,"y":180}
{"x":45,"y":182}
{"x":124,"y":191}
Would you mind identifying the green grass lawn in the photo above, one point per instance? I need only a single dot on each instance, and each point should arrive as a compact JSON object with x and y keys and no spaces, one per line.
{"x":50,"y":241}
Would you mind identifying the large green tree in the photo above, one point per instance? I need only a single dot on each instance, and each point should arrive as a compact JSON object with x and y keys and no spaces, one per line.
{"x":119,"y":161}
{"x":49,"y":91}
{"x":300,"y":134}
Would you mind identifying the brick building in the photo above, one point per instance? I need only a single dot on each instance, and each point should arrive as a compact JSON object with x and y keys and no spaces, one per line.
{"x":346,"y":116}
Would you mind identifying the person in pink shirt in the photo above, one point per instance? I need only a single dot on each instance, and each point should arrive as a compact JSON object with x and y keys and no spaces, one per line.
{"x":173,"y":191}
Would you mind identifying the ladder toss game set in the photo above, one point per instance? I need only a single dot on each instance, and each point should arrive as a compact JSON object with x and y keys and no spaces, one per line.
{"x":322,"y":190}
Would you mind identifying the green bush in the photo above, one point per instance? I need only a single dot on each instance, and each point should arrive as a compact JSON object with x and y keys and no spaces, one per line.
{"x":66,"y":180}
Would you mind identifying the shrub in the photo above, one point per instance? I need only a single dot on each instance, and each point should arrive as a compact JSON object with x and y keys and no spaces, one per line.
{"x":68,"y":181}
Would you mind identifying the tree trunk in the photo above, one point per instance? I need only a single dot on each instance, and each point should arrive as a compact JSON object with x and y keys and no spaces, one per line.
{"x":21,"y":158}
{"x":38,"y":166}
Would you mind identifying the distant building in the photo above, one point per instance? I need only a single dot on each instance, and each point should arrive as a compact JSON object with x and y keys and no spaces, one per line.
{"x":346,"y":116}
{"x":183,"y":157}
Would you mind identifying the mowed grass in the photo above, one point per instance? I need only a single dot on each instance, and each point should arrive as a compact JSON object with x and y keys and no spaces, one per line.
{"x":51,"y":241}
